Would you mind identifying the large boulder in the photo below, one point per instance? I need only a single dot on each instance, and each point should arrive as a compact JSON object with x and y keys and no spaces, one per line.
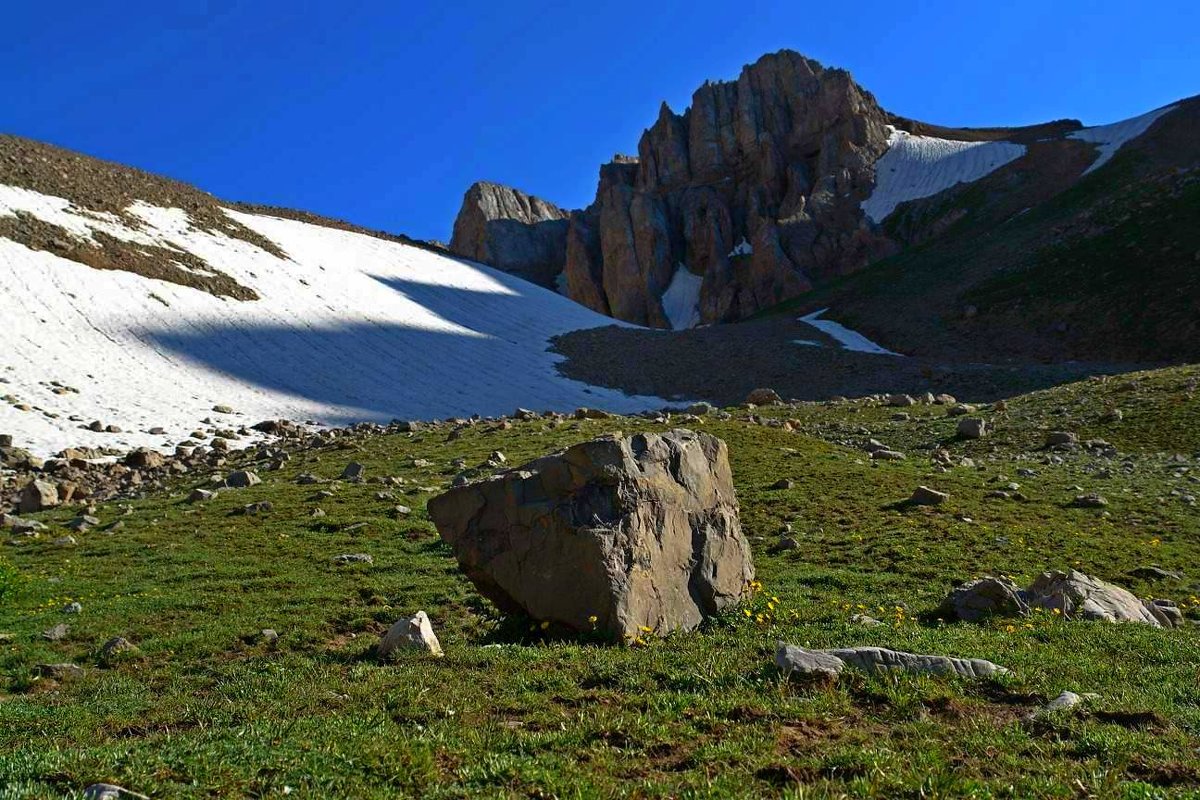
{"x":983,"y":597}
{"x":512,"y":231}
{"x":621,"y":535}
{"x":36,"y":496}
{"x":1080,"y":596}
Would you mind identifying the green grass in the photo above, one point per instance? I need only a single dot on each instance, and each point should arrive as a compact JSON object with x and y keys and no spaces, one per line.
{"x":207,"y":709}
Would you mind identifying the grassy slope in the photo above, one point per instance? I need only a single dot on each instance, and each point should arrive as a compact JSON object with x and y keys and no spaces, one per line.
{"x":1102,"y":268}
{"x":208,"y":710}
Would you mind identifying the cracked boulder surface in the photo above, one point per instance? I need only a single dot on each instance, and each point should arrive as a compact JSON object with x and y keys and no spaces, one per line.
{"x":621,"y":535}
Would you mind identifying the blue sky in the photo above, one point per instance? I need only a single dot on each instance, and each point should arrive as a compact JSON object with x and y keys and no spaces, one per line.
{"x":384,"y":112}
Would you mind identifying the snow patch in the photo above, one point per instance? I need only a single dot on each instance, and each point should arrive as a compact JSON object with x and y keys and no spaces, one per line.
{"x":1111,"y":138}
{"x":920,"y":166}
{"x":681,"y":300}
{"x":807,"y":342}
{"x":850,"y":340}
{"x":349,"y":328}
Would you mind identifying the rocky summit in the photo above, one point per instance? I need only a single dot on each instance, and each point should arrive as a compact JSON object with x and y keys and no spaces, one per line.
{"x":619,"y":535}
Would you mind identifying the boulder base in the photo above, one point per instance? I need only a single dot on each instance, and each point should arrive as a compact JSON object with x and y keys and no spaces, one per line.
{"x":621,"y":535}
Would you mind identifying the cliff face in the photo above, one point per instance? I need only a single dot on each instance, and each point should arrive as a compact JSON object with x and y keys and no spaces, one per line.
{"x":756,"y":188}
{"x":512,"y":231}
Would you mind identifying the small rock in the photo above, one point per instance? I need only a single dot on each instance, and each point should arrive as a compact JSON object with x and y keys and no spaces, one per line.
{"x":353,"y":471}
{"x":972,"y":428}
{"x":37,"y":496}
{"x":57,"y":633}
{"x":201,"y":495}
{"x":782,"y":483}
{"x":59,"y":671}
{"x":353,"y":558}
{"x":797,"y":661}
{"x":900,"y":400}
{"x":764,"y":397}
{"x":413,"y":633}
{"x":242,"y":479}
{"x":222,"y":409}
{"x":116,"y":648}
{"x":268,"y":635}
{"x":924,"y":496}
{"x":108,"y":791}
{"x":865,"y":621}
{"x":1155,"y":574}
{"x":73,"y":608}
{"x":1061,"y":439}
{"x":887,"y":455}
{"x":1090,"y":500}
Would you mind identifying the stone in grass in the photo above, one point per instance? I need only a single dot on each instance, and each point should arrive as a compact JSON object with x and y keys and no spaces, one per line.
{"x":798,"y":662}
{"x":57,"y":633}
{"x":1061,"y":439}
{"x":110,"y":791}
{"x":1080,"y":596}
{"x":353,"y":471}
{"x":242,"y":479}
{"x":782,"y":483}
{"x":36,"y":496}
{"x":353,"y":558}
{"x":764,"y":397}
{"x":792,"y":659}
{"x":201,"y":495}
{"x":59,"y":672}
{"x":887,"y":455}
{"x":1090,"y":500}
{"x":619,"y":535}
{"x":924,"y":496}
{"x":411,"y":633}
{"x":74,"y":607}
{"x":117,"y":649}
{"x":983,"y":597}
{"x":972,"y":428}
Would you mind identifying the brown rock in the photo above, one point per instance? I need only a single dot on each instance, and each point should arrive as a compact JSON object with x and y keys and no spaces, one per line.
{"x":638,"y":533}
{"x":512,"y":231}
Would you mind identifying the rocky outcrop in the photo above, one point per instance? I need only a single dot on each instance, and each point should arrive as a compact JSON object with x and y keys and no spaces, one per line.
{"x":512,"y":231}
{"x":1072,"y":594}
{"x":755,"y":188}
{"x":620,"y":535}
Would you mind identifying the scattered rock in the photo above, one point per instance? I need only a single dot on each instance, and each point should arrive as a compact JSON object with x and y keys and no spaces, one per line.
{"x":960,"y":410}
{"x":57,"y":633}
{"x":792,"y":659}
{"x":983,"y":597}
{"x":353,"y":471}
{"x":1061,"y":439}
{"x":924,"y":496}
{"x":865,"y":620}
{"x":1080,"y":596}
{"x":797,"y":661}
{"x":108,"y":791}
{"x":413,"y":633}
{"x":1090,"y":500}
{"x":972,"y":428}
{"x":145,"y":458}
{"x":116,"y":649}
{"x":353,"y":558}
{"x":635,"y":532}
{"x":74,"y":607}
{"x":59,"y":671}
{"x":764,"y":397}
{"x":887,"y":455}
{"x":900,"y":400}
{"x":37,"y":496}
{"x":201,"y":495}
{"x":242,"y":479}
{"x":782,"y":483}
{"x":1155,"y":574}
